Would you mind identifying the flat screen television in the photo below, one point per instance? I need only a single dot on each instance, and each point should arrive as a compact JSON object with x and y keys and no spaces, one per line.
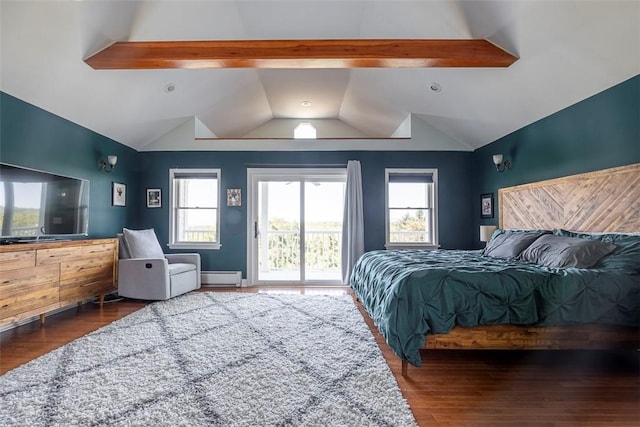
{"x":36,"y":204}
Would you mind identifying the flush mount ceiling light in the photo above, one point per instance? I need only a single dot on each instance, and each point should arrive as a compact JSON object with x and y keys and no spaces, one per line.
{"x":330,"y":53}
{"x":306,"y":103}
{"x":435,"y":87}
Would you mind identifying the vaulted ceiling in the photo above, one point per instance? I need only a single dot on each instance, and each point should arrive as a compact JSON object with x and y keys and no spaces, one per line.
{"x":566,"y":50}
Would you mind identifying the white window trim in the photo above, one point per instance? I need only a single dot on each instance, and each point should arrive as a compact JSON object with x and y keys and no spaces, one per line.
{"x":389,"y":245}
{"x":172,"y":199}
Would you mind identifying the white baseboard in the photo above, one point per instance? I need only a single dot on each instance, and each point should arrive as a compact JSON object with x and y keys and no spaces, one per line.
{"x":221,"y":278}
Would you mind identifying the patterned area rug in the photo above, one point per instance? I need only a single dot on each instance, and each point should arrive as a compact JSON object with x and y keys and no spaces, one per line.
{"x":215,"y":359}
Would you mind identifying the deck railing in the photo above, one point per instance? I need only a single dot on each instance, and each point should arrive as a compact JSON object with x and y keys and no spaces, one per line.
{"x":25,"y":231}
{"x":409,"y":236}
{"x":195,"y":235}
{"x":282,"y":250}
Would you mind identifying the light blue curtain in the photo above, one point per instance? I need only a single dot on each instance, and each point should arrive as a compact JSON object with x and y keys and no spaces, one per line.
{"x":353,"y":221}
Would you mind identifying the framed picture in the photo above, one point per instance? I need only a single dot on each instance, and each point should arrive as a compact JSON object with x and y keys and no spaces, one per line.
{"x":234,"y":197}
{"x":119,"y":194}
{"x":486,"y":205}
{"x":154,"y":199}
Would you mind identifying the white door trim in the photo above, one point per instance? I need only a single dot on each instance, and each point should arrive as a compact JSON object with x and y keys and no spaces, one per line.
{"x":254,"y":175}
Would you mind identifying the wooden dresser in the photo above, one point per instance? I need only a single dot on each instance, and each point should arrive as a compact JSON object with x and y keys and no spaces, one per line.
{"x":39,"y":277}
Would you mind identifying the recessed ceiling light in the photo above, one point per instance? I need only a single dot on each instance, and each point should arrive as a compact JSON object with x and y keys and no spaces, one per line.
{"x":435,"y":87}
{"x":169,"y":87}
{"x":306,"y":103}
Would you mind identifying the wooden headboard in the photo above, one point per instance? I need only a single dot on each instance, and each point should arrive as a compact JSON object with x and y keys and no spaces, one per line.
{"x":602,"y":201}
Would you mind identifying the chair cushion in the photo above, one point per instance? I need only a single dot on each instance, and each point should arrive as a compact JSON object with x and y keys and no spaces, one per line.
{"x":142,"y":243}
{"x":179,"y":267}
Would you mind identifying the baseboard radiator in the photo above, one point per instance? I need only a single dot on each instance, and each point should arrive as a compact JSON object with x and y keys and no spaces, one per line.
{"x":221,"y":278}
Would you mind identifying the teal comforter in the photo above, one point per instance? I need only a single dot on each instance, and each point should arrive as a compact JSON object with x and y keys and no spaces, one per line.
{"x":412,"y":293}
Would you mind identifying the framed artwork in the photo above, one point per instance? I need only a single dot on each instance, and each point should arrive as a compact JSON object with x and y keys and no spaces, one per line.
{"x":119,"y":193}
{"x":154,"y":199}
{"x":234,"y":197}
{"x":486,"y":205}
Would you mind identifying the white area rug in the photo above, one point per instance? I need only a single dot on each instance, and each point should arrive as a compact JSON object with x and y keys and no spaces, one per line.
{"x":214,"y":359}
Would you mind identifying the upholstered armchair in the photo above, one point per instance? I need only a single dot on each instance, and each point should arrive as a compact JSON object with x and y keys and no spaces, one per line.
{"x":145,"y":272}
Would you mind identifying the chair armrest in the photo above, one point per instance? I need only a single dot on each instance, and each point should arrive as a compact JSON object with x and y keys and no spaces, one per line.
{"x":183,"y":258}
{"x":187,"y":258}
{"x":144,"y":278}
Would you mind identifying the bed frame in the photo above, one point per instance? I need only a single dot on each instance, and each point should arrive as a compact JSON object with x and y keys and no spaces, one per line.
{"x":603,"y":201}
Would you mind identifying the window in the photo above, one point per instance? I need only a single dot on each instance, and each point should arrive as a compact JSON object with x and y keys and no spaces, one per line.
{"x":304,"y":131}
{"x":411,"y":208}
{"x":195,"y":214}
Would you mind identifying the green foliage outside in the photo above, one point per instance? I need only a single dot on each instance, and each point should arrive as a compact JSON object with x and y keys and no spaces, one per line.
{"x":409,"y":228}
{"x":23,"y":218}
{"x":322,"y":248}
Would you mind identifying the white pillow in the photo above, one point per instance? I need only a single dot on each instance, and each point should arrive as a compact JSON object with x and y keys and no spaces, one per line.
{"x":142,"y":243}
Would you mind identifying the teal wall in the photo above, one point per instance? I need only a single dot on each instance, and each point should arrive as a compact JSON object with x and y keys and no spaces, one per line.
{"x":454,"y":193}
{"x":34,"y":138}
{"x":602,"y":131}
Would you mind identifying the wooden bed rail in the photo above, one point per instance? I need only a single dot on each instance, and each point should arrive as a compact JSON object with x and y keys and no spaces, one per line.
{"x":513,"y":337}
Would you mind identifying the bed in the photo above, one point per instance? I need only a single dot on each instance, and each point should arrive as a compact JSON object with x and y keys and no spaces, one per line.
{"x":531,"y":300}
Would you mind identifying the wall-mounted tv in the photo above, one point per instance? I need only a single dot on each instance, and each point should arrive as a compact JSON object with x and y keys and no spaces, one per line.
{"x":36,"y":204}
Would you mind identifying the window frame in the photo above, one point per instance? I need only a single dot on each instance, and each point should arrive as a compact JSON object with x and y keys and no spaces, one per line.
{"x":173,"y":217}
{"x":434,"y":207}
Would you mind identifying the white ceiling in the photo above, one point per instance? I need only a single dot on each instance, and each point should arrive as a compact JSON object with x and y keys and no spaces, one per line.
{"x":568,"y":51}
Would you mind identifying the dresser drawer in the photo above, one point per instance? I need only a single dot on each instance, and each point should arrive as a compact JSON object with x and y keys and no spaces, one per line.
{"x":26,"y":279}
{"x":16,"y":260}
{"x":86,"y":268}
{"x":86,"y":277}
{"x":58,"y":255}
{"x":28,"y":289}
{"x":105,"y":249}
{"x":87,"y":289}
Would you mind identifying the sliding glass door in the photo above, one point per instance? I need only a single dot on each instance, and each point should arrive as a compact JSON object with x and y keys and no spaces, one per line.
{"x":279,"y":231}
{"x":295,"y":225}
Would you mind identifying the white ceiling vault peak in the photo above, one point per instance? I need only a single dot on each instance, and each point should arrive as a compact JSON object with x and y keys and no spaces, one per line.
{"x":567,"y":51}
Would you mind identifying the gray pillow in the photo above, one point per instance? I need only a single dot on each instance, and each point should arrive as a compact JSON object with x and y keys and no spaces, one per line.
{"x":626,"y":256}
{"x":557,"y":252}
{"x":142,"y":243}
{"x":509,"y":245}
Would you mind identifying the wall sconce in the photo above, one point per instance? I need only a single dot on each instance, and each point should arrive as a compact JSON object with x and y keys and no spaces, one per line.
{"x":110,"y":164}
{"x":501,"y":165}
{"x":486,"y":231}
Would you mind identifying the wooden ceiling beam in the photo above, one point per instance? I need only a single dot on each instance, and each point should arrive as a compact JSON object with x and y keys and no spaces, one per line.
{"x":358,"y":53}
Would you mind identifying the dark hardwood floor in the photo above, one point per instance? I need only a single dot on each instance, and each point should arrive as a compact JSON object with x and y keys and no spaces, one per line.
{"x":454,"y":388}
